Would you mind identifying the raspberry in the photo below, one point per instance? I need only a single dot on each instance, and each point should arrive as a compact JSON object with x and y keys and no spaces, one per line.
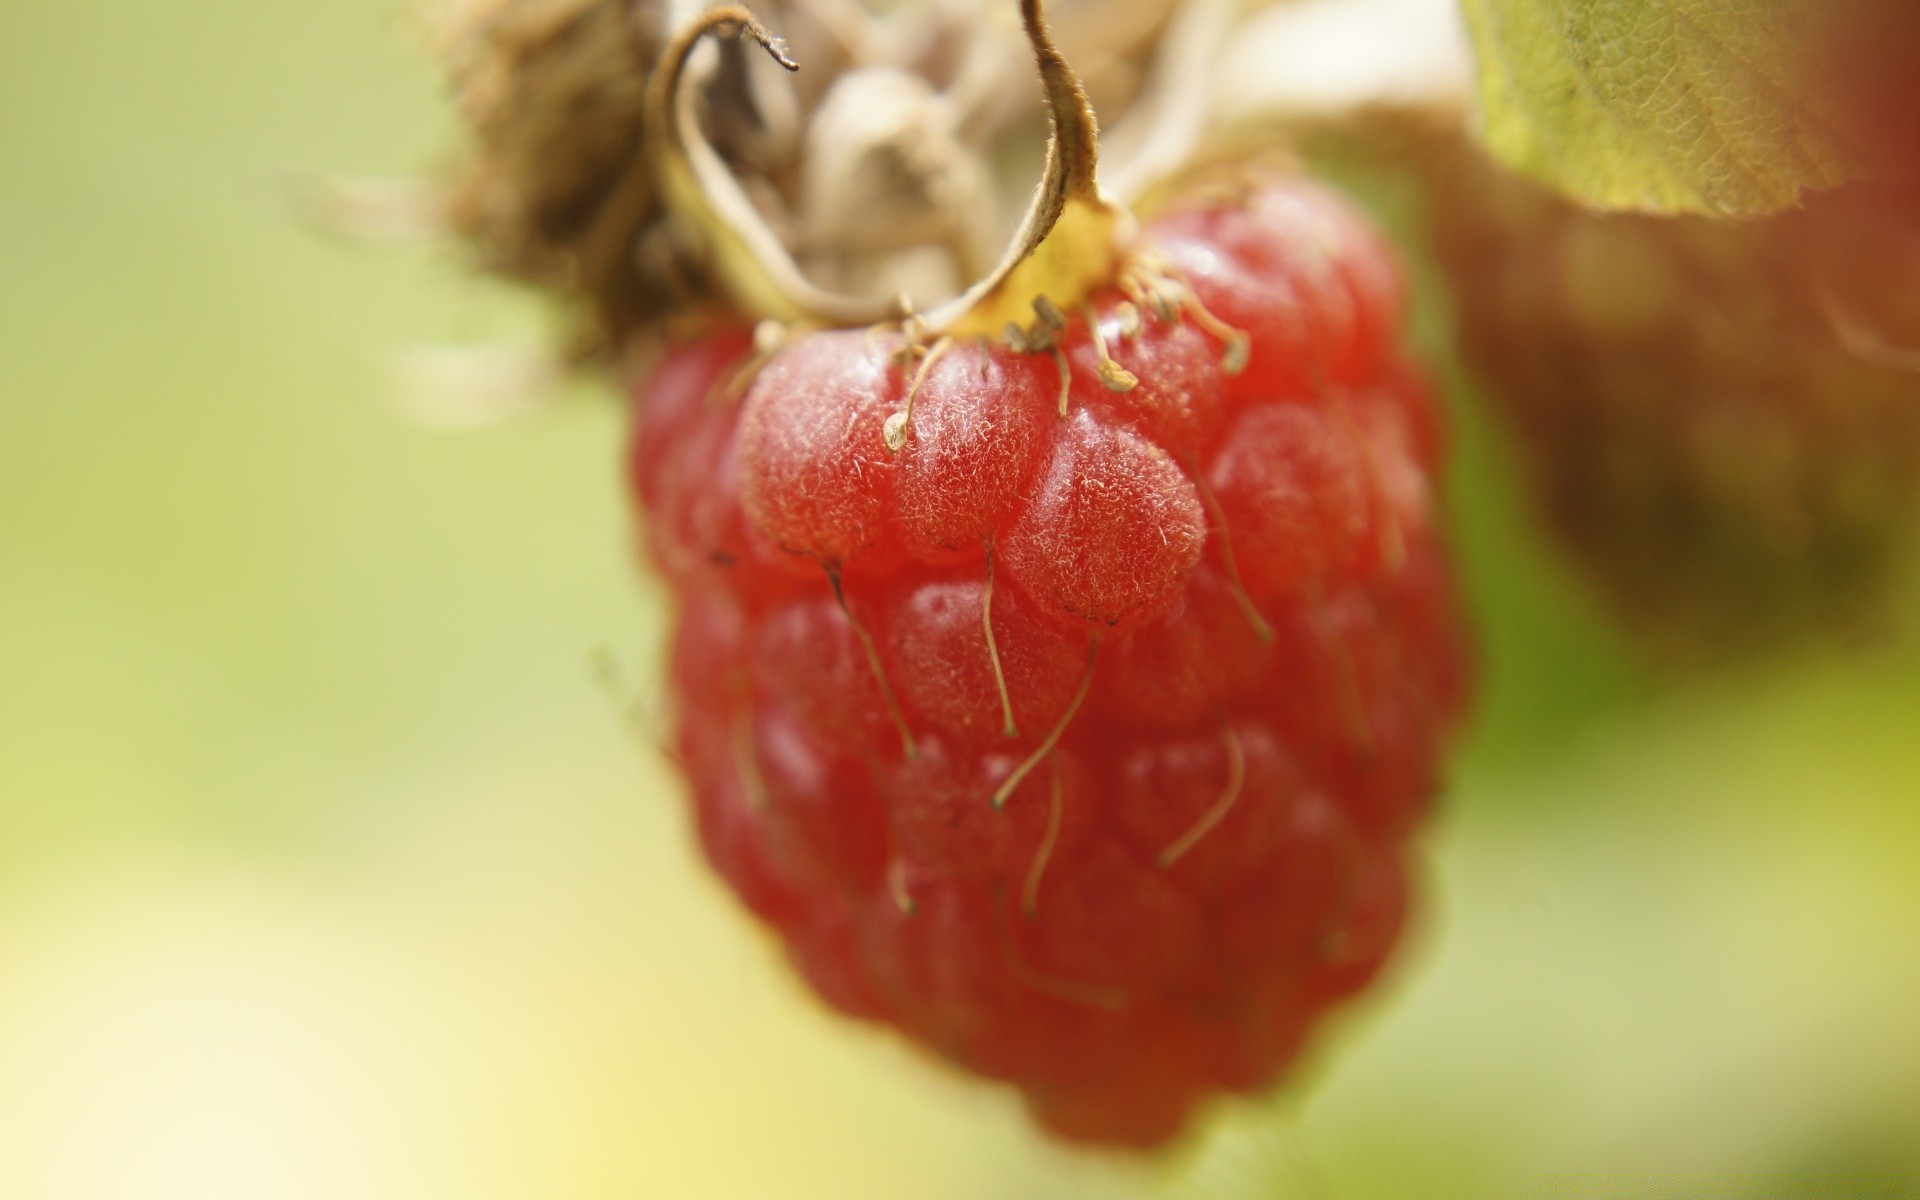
{"x":1061,"y":672}
{"x":1723,"y":417}
{"x":1069,"y":707}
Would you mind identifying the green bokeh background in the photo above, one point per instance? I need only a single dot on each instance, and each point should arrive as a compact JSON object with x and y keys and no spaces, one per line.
{"x":329,"y":868}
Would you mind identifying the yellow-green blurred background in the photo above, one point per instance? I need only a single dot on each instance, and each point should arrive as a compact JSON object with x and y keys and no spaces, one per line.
{"x":329,"y":869}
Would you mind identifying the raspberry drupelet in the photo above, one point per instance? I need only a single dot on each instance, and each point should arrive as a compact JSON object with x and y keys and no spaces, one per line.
{"x":1067,"y":702}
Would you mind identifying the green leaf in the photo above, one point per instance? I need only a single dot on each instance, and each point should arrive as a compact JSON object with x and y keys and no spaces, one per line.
{"x":1661,"y":105}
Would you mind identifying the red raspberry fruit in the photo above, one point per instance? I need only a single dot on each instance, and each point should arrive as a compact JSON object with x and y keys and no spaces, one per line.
{"x":1080,"y":734}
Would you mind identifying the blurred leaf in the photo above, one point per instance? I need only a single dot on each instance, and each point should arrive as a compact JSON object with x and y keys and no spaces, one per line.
{"x":1660,"y":105}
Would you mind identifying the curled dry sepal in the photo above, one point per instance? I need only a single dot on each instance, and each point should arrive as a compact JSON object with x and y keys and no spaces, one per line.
{"x":879,"y":167}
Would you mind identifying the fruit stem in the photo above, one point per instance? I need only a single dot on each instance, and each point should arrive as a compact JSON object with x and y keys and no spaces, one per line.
{"x":1071,"y":233}
{"x":1073,"y":152}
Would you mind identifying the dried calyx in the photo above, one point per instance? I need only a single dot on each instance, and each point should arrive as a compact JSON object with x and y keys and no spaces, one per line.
{"x":619,"y":163}
{"x":547,"y":192}
{"x":1070,"y":240}
{"x":879,"y":169}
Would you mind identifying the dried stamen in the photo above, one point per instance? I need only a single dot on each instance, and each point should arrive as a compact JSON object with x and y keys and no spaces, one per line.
{"x":1066,"y":378}
{"x":897,"y":887}
{"x":1236,"y":783}
{"x":1393,"y":537}
{"x":993,"y":652}
{"x":1116,"y":377}
{"x":1042,"y":334}
{"x":900,"y":424}
{"x":769,"y":336}
{"x":873,"y":661}
{"x":1157,"y":284}
{"x":1261,"y":628}
{"x":746,"y":760}
{"x":914,"y":327}
{"x":1051,"y":320}
{"x":1239,"y":347}
{"x":637,"y":717}
{"x":1352,"y":704}
{"x":1030,"y":893}
{"x":1147,"y":286}
{"x":1092,"y":995}
{"x":1046,"y":747}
